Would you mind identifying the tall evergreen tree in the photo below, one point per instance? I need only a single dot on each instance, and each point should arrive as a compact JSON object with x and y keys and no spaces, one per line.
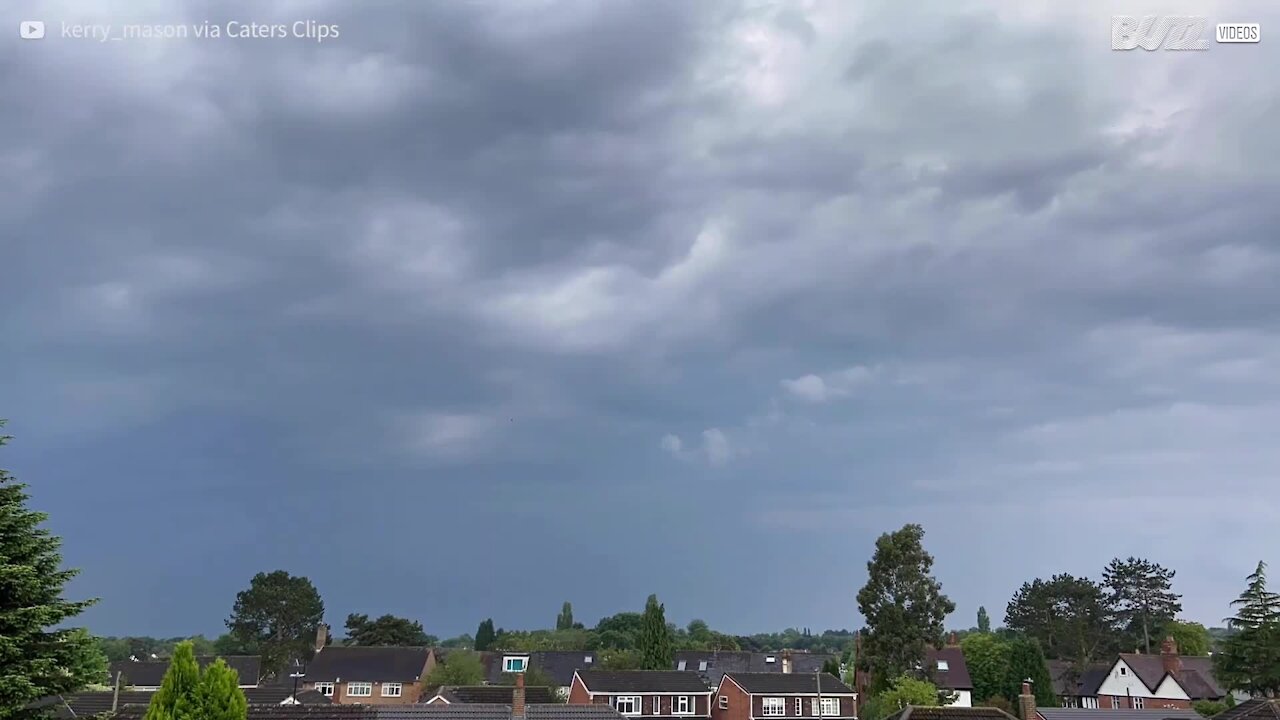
{"x":1250,"y":657}
{"x":903,"y":605}
{"x":485,"y":634}
{"x":36,"y":660}
{"x":1026,"y":662}
{"x":1141,"y":596}
{"x":984,"y":620}
{"x":219,"y":694}
{"x":656,"y":651}
{"x":564,"y":621}
{"x":179,"y":695}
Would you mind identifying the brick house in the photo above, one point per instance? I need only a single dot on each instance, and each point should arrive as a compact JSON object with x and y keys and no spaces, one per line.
{"x":1136,"y":681}
{"x":648,"y":693}
{"x":355,"y":675}
{"x":755,"y":696}
{"x":713,"y":664}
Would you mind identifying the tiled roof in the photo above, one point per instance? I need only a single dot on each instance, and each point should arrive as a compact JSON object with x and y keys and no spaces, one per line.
{"x":1196,"y":676}
{"x":95,"y":702}
{"x":1104,"y":714}
{"x":717,"y":663}
{"x":956,"y":676}
{"x":571,"y":712}
{"x":1066,"y":681}
{"x":367,"y":664}
{"x":559,"y":665}
{"x":412,"y":712}
{"x":610,"y":681}
{"x":1255,"y":709}
{"x":911,"y":712}
{"x":789,"y":683}
{"x":493,"y":694}
{"x":487,"y":711}
{"x":150,"y":673}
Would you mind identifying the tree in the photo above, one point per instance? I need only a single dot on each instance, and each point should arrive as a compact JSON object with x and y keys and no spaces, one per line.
{"x":1068,"y":616}
{"x":831,"y":666}
{"x":534,"y":676}
{"x":1142,"y":596}
{"x":279,"y":613}
{"x":620,"y":631}
{"x":899,"y":693}
{"x":178,"y":696}
{"x":984,"y":620}
{"x":620,"y":660}
{"x":1001,"y":702}
{"x":387,"y":630}
{"x":903,"y":605}
{"x":564,"y":621}
{"x":1250,"y":657}
{"x":219,"y":695}
{"x":1026,"y":662}
{"x":228,"y":644}
{"x":1192,"y":638}
{"x":1208,"y":708}
{"x":37,"y":660}
{"x":464,"y":641}
{"x":485,"y":635}
{"x":459,"y":667}
{"x":987,"y":658}
{"x":655,"y":637}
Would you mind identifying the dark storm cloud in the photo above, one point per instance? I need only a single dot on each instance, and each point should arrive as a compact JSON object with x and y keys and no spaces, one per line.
{"x":644,"y":284}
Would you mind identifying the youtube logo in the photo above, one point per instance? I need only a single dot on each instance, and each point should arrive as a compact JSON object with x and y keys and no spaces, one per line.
{"x":31,"y":29}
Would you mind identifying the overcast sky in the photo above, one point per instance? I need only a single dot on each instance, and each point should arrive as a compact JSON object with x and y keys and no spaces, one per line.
{"x":480,"y":307}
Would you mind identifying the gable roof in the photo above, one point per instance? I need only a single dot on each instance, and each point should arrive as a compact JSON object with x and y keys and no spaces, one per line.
{"x":492,"y":694}
{"x":1104,"y":714}
{"x":367,"y":664}
{"x":720,"y":662}
{"x":558,"y":665}
{"x":1255,"y":709}
{"x":956,"y":676}
{"x":150,"y":673}
{"x":642,"y":681}
{"x":1195,"y":677}
{"x":950,"y":712}
{"x":1067,"y":682}
{"x":788,"y":683}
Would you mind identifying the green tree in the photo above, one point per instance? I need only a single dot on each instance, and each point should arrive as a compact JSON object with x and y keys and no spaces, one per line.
{"x":987,"y":658}
{"x":900,"y":692}
{"x":984,"y":620}
{"x":1250,"y":657}
{"x":534,"y":676}
{"x":219,"y":696}
{"x":459,"y":667}
{"x":1142,"y":596}
{"x":228,"y":644}
{"x":903,"y":605}
{"x":564,"y":621}
{"x":462,"y":641}
{"x":1068,"y":616}
{"x":179,"y":695}
{"x":1001,"y":702}
{"x":831,"y":666}
{"x":485,"y":635}
{"x":279,"y":613}
{"x":1208,"y":708}
{"x":387,"y":630}
{"x":1192,"y":638}
{"x":620,"y":631}
{"x":620,"y":660}
{"x":655,"y":637}
{"x":37,"y":660}
{"x":1026,"y":662}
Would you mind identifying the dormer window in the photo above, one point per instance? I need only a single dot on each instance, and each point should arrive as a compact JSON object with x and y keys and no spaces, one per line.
{"x":680,"y":665}
{"x":514,"y":663}
{"x":943,"y":666}
{"x":770,"y":659}
{"x":702,"y":666}
{"x":587,"y":659}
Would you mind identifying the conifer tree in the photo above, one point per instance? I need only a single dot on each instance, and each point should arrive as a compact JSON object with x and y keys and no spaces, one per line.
{"x":655,"y":637}
{"x":1250,"y":658}
{"x":219,"y":694}
{"x":179,"y":695}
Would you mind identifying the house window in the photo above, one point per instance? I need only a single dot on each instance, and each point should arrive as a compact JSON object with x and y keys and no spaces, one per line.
{"x":588,"y":659}
{"x":657,"y":704}
{"x":513,"y":664}
{"x":830,"y":707}
{"x":325,"y":689}
{"x":683,"y":705}
{"x":391,"y":689}
{"x":799,"y":707}
{"x":359,"y":689}
{"x":1124,"y":670}
{"x":773,"y":707}
{"x":1137,"y":703}
{"x":943,"y":666}
{"x":680,"y":666}
{"x":627,"y":704}
{"x":702,"y":666}
{"x":1115,"y":702}
{"x":1089,"y":703}
{"x":724,"y":702}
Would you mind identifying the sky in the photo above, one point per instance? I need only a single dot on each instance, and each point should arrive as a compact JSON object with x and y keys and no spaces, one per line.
{"x":479,"y":307}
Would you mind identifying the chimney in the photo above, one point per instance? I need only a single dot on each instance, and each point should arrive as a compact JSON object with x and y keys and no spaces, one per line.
{"x":1169,"y":657}
{"x":322,"y":636}
{"x":517,"y":697}
{"x":786,"y":662}
{"x":1027,"y":702}
{"x":952,"y":641}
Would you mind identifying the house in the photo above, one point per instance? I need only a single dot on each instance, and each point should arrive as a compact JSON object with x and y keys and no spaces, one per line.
{"x":713,"y":664}
{"x":1255,"y":709}
{"x":648,"y":693}
{"x":1136,"y":681}
{"x":85,"y":704}
{"x":146,"y":675}
{"x":750,"y":696}
{"x":1075,"y":689}
{"x":949,"y":672}
{"x":369,"y":675}
{"x":489,"y":695}
{"x":950,"y":712}
{"x":557,"y":665}
{"x":1028,"y":710}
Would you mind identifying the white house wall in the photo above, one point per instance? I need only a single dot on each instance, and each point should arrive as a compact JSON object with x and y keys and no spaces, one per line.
{"x":963,"y":698}
{"x":1122,"y":682}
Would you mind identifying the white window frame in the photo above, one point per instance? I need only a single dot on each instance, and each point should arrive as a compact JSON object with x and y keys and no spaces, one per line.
{"x":509,"y":663}
{"x":1089,"y":703}
{"x":830,"y":707}
{"x":1123,"y":670}
{"x":634,"y":706}
{"x":702,"y":666}
{"x":324,"y":688}
{"x":657,"y":704}
{"x":1115,"y":702}
{"x":681,"y":705}
{"x":799,"y":707}
{"x":1137,"y":702}
{"x":387,"y":689}
{"x":366,"y":687}
{"x":943,"y":666}
{"x":724,"y":702}
{"x":773,"y":707}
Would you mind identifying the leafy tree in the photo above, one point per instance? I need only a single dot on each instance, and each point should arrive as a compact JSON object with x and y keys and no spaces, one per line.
{"x":620,"y":660}
{"x":36,"y":660}
{"x":984,"y":620}
{"x":534,"y":676}
{"x":459,"y":667}
{"x":831,"y":666}
{"x":387,"y":630}
{"x":900,"y":692}
{"x":113,"y":648}
{"x":485,"y":634}
{"x":279,"y":613}
{"x":1001,"y":702}
{"x":464,"y":641}
{"x":219,"y":695}
{"x":564,"y":621}
{"x":655,"y":637}
{"x":1250,"y":657}
{"x":987,"y":658}
{"x":1208,"y":708}
{"x":228,"y":644}
{"x":1192,"y":638}
{"x":1142,"y":596}
{"x":620,"y":631}
{"x":1026,"y":661}
{"x":179,"y":695}
{"x":903,"y":605}
{"x":1068,"y":616}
